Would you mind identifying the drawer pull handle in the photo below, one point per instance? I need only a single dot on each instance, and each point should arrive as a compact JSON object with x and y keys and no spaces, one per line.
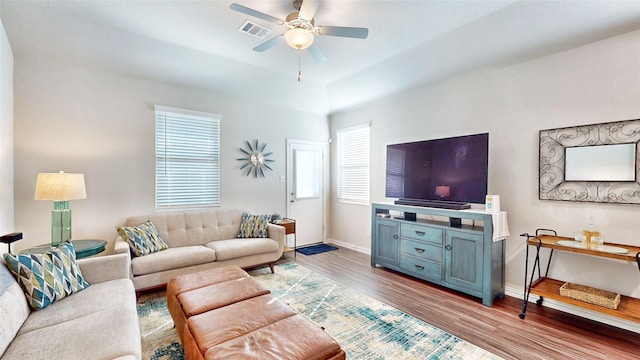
{"x":419,"y":267}
{"x":448,"y":247}
{"x":420,"y":233}
{"x":419,"y":250}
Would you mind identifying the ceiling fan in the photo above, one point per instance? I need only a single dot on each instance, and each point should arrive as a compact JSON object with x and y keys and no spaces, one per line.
{"x":301,"y":28}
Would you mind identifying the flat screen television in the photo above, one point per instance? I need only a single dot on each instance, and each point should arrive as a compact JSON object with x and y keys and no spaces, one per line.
{"x":451,"y":170}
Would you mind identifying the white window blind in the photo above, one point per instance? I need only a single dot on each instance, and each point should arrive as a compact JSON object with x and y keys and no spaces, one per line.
{"x":353,"y":165}
{"x":187,"y":158}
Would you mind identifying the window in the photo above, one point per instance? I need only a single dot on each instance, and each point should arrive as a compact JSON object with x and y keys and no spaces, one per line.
{"x":187,"y":158}
{"x":353,"y":165}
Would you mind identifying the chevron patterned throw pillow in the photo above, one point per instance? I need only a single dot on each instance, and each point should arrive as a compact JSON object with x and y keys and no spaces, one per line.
{"x":254,"y":226}
{"x":46,"y":278}
{"x":143,"y":239}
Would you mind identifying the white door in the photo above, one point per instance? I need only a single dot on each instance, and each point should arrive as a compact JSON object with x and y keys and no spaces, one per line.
{"x":305,"y":191}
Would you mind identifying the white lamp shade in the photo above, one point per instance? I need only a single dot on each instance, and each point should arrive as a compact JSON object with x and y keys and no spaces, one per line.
{"x":60,"y":186}
{"x":299,"y":38}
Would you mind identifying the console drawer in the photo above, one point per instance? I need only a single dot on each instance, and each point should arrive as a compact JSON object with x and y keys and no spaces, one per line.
{"x":420,"y":249}
{"x":421,"y":268}
{"x":422,"y":233}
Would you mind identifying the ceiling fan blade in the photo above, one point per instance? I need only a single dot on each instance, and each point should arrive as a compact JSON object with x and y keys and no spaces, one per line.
{"x":350,"y":32}
{"x":308,"y":9}
{"x":255,"y":13}
{"x":269,"y":43}
{"x":317,"y":53}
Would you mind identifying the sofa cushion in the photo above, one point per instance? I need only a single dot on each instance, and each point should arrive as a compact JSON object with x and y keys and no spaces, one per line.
{"x":172,"y":258}
{"x":107,"y":333}
{"x":193,"y":227}
{"x":236,"y":248}
{"x":253,"y":226}
{"x":94,"y":299}
{"x":143,"y":239}
{"x":13,"y":307}
{"x":46,"y":278}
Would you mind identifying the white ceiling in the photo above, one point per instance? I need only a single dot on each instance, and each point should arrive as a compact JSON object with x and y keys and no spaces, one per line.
{"x":197,"y":43}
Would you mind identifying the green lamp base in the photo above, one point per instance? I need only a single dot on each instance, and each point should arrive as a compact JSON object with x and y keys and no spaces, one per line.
{"x":60,"y":223}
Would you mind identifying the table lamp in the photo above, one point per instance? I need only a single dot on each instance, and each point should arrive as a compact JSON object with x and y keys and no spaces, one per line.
{"x":60,"y":188}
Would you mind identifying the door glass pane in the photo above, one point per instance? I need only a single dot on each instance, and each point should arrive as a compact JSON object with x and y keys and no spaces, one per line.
{"x":307,"y":174}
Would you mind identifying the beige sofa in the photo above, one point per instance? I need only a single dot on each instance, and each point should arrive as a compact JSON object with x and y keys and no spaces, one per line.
{"x":199,"y":240}
{"x":99,"y":322}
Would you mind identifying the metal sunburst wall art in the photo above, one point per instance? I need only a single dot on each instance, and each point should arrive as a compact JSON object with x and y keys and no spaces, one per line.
{"x":255,"y":159}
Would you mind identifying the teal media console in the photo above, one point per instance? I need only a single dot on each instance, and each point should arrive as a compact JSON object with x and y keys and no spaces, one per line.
{"x":433,"y":246}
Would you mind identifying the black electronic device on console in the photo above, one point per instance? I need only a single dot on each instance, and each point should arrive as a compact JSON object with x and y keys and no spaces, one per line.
{"x":453,"y":205}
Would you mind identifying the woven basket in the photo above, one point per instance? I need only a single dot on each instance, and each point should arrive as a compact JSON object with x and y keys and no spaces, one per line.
{"x":591,"y":295}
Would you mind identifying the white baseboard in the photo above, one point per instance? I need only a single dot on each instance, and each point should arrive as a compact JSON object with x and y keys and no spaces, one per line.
{"x":349,"y":246}
{"x":574,"y":310}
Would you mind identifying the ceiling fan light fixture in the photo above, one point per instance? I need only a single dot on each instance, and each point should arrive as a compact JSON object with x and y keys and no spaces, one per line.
{"x":299,"y":38}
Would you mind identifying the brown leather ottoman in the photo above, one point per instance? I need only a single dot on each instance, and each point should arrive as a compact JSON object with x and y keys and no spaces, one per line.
{"x":196,"y":293}
{"x":235,"y":317}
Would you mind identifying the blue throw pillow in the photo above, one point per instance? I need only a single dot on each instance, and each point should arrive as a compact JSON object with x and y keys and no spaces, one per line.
{"x":46,"y":278}
{"x":253,"y":226}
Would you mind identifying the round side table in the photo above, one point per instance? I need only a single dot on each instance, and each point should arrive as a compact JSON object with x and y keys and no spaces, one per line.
{"x":83,"y":248}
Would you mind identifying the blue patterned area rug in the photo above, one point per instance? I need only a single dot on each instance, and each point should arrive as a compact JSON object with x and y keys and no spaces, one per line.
{"x":364,"y":327}
{"x":160,"y":340}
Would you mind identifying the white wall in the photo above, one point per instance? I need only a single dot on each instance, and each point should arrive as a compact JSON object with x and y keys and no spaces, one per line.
{"x":102,"y":125}
{"x":596,"y":83}
{"x":6,"y":137}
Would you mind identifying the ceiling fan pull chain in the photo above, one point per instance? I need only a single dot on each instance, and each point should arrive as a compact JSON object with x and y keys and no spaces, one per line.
{"x":299,"y":70}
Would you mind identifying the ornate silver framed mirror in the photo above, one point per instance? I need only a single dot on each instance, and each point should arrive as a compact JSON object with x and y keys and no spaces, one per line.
{"x":591,"y":163}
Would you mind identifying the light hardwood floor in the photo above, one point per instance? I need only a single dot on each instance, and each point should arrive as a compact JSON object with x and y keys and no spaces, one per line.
{"x":544,"y":334}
